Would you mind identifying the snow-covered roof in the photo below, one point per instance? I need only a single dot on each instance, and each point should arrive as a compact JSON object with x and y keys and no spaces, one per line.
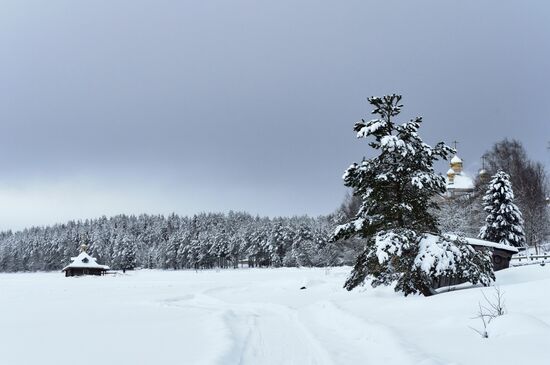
{"x":478,"y":242}
{"x":456,"y":159}
{"x":451,"y":172}
{"x":85,"y":261}
{"x":461,"y":181}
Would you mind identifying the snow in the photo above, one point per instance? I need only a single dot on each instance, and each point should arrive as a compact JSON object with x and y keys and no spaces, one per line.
{"x":260,"y":316}
{"x":417,"y":182}
{"x":456,"y":159}
{"x":461,"y":181}
{"x":371,"y":127}
{"x":387,"y":244}
{"x":436,"y":255}
{"x":478,"y":242}
{"x":359,"y":222}
{"x":391,"y":142}
{"x":84,"y":261}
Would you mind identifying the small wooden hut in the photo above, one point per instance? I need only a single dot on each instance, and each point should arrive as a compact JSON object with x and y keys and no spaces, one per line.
{"x":502,"y":254}
{"x":84,"y":264}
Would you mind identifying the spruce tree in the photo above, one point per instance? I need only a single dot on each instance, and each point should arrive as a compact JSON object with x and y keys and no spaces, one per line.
{"x":278,"y":243}
{"x":504,"y":224}
{"x":172,"y":250}
{"x":128,"y":259}
{"x":397,"y":189}
{"x":303,"y":250}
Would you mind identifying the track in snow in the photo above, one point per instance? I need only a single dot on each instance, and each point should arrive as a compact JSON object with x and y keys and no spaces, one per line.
{"x":319,"y":334}
{"x":259,"y":333}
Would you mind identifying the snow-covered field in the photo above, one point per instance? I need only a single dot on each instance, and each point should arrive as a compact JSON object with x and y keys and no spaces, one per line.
{"x":260,"y":316}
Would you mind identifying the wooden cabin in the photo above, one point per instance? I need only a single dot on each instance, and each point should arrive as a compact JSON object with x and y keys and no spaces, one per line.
{"x":84,"y":264}
{"x":502,"y":254}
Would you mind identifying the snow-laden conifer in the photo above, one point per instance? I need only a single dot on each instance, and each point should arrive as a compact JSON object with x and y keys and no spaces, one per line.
{"x":504,"y":224}
{"x":303,"y":250}
{"x":397,"y":190}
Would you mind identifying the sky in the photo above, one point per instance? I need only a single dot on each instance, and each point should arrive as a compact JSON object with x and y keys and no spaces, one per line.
{"x":130,"y":106}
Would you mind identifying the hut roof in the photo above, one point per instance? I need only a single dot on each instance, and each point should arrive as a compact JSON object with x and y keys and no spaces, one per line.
{"x":478,"y":242}
{"x":85,"y":261}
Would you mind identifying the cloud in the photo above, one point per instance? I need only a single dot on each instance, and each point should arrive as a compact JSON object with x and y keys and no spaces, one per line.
{"x":186,"y":106}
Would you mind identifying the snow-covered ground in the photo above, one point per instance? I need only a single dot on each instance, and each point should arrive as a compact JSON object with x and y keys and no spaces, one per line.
{"x":260,"y":316}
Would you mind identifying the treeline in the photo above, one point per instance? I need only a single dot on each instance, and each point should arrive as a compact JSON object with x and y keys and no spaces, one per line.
{"x":237,"y":238}
{"x":175,"y":242}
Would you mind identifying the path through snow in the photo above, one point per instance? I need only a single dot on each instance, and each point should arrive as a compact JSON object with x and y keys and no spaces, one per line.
{"x":257,"y":317}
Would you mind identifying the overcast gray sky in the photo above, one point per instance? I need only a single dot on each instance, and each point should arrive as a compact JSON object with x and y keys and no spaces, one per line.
{"x":132,"y":106}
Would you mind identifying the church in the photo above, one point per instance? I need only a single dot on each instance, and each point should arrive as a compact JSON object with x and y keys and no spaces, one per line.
{"x":458,"y":183}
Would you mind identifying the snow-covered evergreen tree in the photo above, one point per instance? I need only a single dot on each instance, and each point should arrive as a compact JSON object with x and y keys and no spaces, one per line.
{"x":504,"y":224}
{"x":303,"y":249}
{"x":128,"y":254}
{"x":257,"y":248}
{"x":124,"y":251}
{"x":172,"y":250}
{"x":280,"y":239}
{"x":395,"y":219}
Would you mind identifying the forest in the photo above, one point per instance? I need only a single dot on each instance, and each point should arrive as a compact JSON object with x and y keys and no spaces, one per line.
{"x":205,"y":240}
{"x":234,"y":239}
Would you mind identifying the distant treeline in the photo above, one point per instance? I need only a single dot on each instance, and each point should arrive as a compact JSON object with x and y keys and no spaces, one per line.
{"x":174,"y":242}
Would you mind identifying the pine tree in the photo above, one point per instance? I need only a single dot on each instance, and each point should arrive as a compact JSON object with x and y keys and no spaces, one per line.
{"x":124,"y":252}
{"x":172,"y":250}
{"x":280,"y":239}
{"x":395,"y":219}
{"x":128,"y":254}
{"x":302,"y":249}
{"x":504,"y":224}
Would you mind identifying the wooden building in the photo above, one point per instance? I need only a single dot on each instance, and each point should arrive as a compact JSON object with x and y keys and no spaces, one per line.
{"x":84,"y":264}
{"x":502,"y":254}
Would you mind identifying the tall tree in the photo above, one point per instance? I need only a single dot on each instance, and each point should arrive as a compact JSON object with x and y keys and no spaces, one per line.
{"x":395,"y":219}
{"x":504,"y":224}
{"x":530,"y":182}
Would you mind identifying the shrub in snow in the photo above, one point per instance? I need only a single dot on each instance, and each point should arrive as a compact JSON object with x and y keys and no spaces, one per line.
{"x":396,"y":189}
{"x":504,"y":224}
{"x":492,"y":309}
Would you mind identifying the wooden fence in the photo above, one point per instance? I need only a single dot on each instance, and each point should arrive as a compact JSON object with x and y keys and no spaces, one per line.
{"x":530,"y":259}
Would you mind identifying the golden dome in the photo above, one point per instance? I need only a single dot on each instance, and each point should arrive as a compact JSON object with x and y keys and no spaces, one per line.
{"x":456,"y":164}
{"x":451,"y":176}
{"x":483,"y":175}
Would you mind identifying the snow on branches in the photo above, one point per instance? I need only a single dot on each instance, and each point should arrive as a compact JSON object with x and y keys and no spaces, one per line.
{"x":504,"y":223}
{"x":396,"y":188}
{"x":415,"y":261}
{"x":398,"y":184}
